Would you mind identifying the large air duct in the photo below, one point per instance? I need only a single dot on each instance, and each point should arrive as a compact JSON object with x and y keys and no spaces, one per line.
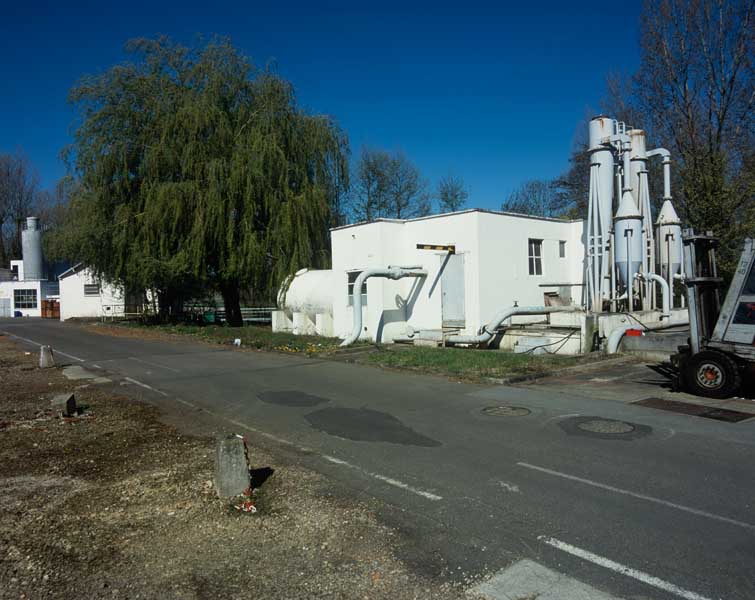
{"x":31,"y":247}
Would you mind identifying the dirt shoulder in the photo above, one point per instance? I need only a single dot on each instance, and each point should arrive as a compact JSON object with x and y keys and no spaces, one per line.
{"x":115,"y":504}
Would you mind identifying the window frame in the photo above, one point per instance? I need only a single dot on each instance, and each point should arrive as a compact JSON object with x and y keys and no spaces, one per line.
{"x":535,"y":257}
{"x":562,"y":248}
{"x":25,"y":302}
{"x":91,"y":285}
{"x":351,"y":280}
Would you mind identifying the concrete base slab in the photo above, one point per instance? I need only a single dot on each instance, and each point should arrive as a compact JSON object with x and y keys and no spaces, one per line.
{"x":76,"y":373}
{"x":528,"y":579}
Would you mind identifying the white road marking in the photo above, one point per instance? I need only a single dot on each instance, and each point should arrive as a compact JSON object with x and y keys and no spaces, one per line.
{"x":610,"y":488}
{"x":384,"y":479}
{"x":153,"y":364}
{"x":54,"y":351}
{"x":144,"y":385}
{"x":606,"y":563}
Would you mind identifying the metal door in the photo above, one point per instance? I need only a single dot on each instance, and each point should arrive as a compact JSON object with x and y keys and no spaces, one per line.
{"x":452,"y":290}
{"x":5,"y":307}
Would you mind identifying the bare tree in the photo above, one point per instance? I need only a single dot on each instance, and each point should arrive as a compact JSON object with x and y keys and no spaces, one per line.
{"x":535,"y":197}
{"x":406,"y":191}
{"x":368,"y":191}
{"x":452,"y":194}
{"x":387,"y":186}
{"x":696,"y":90}
{"x":19,"y":197}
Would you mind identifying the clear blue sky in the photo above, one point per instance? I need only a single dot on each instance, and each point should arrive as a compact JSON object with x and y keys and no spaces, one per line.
{"x":491,"y":92}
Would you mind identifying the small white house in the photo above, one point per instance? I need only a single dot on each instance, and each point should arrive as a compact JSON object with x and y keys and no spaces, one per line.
{"x":498,"y":260}
{"x":82,"y":295}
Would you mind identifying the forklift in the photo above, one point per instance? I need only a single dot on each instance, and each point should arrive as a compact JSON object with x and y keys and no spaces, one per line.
{"x":720,"y":353}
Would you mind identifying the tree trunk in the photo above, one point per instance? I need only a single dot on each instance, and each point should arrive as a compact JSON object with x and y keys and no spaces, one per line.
{"x":232,"y":303}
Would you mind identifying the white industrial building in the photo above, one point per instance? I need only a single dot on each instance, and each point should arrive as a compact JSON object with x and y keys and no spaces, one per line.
{"x":84,"y":296}
{"x":23,"y":287}
{"x":477,"y":261}
{"x":495,"y":279}
{"x":27,"y":290}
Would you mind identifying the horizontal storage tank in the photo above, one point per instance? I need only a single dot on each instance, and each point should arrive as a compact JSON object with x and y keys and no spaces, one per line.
{"x":669,"y":241}
{"x":628,"y":239}
{"x":311,"y":291}
{"x":31,"y":247}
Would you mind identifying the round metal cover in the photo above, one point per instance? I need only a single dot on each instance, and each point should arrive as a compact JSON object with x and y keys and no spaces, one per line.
{"x":606,"y":426}
{"x":506,"y":411}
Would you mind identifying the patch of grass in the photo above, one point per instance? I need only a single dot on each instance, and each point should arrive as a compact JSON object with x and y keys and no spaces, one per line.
{"x":468,"y":363}
{"x":252,"y":336}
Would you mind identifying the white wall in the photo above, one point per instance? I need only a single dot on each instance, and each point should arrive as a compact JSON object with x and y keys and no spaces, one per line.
{"x":495,"y":250}
{"x":6,"y":291}
{"x":75,"y":304}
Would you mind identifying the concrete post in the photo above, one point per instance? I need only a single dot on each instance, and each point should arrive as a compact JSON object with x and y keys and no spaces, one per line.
{"x":231,"y":467}
{"x":46,"y":359}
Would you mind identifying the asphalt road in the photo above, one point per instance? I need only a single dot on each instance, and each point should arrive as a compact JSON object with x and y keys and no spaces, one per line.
{"x":666,"y":510}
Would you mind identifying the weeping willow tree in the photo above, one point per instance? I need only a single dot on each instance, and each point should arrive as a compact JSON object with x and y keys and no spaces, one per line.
{"x":198,"y":172}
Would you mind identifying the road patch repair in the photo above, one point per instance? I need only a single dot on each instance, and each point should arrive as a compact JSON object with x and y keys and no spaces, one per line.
{"x":526,"y":579}
{"x":118,"y":503}
{"x":79,"y":373}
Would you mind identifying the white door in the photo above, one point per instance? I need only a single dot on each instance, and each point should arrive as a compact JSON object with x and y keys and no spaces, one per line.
{"x":5,"y":307}
{"x":452,"y":290}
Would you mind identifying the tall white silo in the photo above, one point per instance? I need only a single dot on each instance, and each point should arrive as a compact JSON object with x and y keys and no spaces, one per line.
{"x":600,"y":208}
{"x":669,"y":242}
{"x":628,"y":242}
{"x":31,"y":248}
{"x":638,"y":184}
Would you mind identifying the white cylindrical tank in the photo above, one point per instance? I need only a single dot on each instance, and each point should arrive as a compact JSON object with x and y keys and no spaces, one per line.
{"x":628,"y":239}
{"x":669,"y":241}
{"x":638,"y":161}
{"x":601,"y":128}
{"x":310,"y":291}
{"x":31,"y":247}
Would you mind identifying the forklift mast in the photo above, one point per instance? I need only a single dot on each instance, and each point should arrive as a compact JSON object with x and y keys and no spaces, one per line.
{"x":703,"y":286}
{"x":735,"y":329}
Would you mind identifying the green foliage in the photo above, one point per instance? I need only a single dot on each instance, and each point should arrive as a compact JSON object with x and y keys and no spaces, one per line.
{"x":198,"y":171}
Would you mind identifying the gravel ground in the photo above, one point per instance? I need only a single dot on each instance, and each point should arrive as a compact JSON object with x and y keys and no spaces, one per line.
{"x":117,"y":504}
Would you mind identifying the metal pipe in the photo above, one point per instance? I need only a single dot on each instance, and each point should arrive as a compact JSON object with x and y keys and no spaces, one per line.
{"x":488,"y":330}
{"x":665,"y":292}
{"x":615,"y":337}
{"x":390,"y":272}
{"x":666,"y":170}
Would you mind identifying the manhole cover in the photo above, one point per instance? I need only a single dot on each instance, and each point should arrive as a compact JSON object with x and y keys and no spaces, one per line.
{"x":606,"y":426}
{"x":506,"y":411}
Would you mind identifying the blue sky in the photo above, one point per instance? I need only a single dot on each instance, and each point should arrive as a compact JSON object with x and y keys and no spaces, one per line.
{"x":490,"y":92}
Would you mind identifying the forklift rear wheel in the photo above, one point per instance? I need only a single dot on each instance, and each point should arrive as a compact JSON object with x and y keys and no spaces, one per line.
{"x":713,"y":375}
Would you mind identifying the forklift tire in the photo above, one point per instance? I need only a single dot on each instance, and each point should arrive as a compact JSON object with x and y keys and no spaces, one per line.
{"x":712,"y":374}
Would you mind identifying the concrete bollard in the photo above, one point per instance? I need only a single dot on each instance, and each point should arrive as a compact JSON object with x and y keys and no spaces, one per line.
{"x":64,"y":404}
{"x":231,"y":466}
{"x":46,"y":359}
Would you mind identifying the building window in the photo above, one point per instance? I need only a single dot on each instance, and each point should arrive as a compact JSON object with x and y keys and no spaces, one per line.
{"x":91,"y":289}
{"x":535,"y":256}
{"x":352,"y":280}
{"x":562,"y":249}
{"x":25,"y":298}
